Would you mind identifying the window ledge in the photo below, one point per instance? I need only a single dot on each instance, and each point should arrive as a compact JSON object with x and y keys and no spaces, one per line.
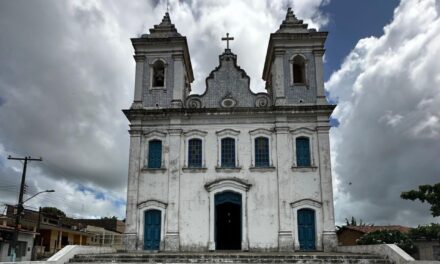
{"x":262,"y":169}
{"x":299,"y":85}
{"x":153,"y":170}
{"x":194,"y":169}
{"x":227,"y":169}
{"x":158,"y":87}
{"x":304,"y":169}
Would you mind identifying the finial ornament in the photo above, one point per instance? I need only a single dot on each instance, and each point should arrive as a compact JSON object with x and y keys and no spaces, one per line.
{"x":168,"y":6}
{"x":227,"y":38}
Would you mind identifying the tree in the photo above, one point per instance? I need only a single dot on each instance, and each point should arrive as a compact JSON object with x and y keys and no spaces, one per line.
{"x":112,"y":218}
{"x":428,"y":232}
{"x":428,"y":193}
{"x":53,"y":211}
{"x":354,"y":222}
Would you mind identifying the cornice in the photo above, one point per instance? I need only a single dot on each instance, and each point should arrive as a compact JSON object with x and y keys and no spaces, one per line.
{"x":139,"y":58}
{"x":293,"y":109}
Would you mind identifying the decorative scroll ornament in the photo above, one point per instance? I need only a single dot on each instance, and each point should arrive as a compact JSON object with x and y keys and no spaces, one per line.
{"x":194,"y":103}
{"x":262,"y":101}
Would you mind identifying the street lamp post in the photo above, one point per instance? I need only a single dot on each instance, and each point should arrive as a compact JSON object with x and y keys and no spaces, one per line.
{"x":46,"y":191}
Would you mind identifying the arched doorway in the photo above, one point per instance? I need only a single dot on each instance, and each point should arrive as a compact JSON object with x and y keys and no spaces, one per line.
{"x":228,"y":230}
{"x":306,"y":229}
{"x":152,"y":228}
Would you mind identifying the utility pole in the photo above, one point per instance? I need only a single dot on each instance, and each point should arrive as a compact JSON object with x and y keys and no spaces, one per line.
{"x":20,"y":204}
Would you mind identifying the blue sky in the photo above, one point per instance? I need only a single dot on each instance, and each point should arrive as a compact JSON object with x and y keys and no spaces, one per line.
{"x":67,"y":71}
{"x":349,"y":21}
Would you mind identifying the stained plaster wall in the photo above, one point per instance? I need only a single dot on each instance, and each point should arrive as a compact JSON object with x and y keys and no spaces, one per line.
{"x":262,"y":199}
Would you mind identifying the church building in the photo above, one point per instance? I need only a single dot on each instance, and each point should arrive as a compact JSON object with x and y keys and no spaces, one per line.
{"x":230,"y":169}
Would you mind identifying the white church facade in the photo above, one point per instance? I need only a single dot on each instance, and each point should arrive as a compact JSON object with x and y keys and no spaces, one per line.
{"x":230,"y":169}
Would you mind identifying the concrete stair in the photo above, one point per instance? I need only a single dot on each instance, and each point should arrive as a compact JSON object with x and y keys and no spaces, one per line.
{"x":229,"y":257}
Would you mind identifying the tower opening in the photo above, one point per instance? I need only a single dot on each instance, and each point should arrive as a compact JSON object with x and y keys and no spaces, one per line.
{"x":158,"y":74}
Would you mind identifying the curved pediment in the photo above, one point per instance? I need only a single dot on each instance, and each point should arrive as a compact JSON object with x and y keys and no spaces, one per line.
{"x":306,"y":202}
{"x":233,"y":183}
{"x":152,"y":203}
{"x":228,"y":86}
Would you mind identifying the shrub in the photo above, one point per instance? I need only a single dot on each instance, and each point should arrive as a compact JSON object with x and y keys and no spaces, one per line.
{"x":428,"y":232}
{"x":388,"y":237}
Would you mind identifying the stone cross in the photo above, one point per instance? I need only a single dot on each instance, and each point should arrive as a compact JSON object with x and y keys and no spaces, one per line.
{"x":227,"y":40}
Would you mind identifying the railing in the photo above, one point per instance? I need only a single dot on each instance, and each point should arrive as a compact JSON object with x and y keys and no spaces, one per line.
{"x":117,"y":241}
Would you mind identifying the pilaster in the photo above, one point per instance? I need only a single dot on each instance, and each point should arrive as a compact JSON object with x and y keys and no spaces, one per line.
{"x":132,"y":189}
{"x":179,"y":81}
{"x":320,"y":91}
{"x":278,"y":78}
{"x":172,"y":239}
{"x":285,"y":234}
{"x":138,"y":87}
{"x":329,"y":238}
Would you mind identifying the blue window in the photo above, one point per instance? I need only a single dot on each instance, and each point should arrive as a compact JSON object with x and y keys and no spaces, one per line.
{"x":302,"y":152}
{"x":195,"y":153}
{"x":261,"y":152}
{"x":155,"y":154}
{"x":228,"y":152}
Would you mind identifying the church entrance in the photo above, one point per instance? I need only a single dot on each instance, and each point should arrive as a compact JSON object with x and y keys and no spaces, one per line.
{"x":152,"y":230}
{"x":228,"y":221}
{"x":306,"y":229}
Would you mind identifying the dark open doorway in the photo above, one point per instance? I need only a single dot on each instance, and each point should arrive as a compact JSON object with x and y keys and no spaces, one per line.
{"x":228,"y":221}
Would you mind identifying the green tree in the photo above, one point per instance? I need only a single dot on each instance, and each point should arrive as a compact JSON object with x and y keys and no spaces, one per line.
{"x":428,"y":232}
{"x":53,"y":211}
{"x":112,"y":218}
{"x":354,"y":222}
{"x":426,"y":193}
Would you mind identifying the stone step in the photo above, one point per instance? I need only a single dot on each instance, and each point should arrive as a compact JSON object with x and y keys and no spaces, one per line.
{"x":222,"y":258}
{"x":346,"y":261}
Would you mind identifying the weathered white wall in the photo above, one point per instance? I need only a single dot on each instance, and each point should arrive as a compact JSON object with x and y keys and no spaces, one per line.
{"x":263,"y":198}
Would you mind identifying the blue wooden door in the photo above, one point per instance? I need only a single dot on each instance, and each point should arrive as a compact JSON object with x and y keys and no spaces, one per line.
{"x":152,"y":230}
{"x":306,"y":229}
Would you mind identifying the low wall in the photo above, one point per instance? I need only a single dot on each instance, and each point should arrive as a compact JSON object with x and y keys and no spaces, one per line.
{"x":391,"y":251}
{"x":64,"y":255}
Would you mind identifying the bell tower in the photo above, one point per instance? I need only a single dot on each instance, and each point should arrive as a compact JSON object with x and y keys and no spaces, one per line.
{"x":293,"y":69}
{"x":163,"y":67}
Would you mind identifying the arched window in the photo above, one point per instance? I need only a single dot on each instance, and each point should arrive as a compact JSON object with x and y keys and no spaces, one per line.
{"x":195,"y":153}
{"x":158,"y":74}
{"x":261,"y":152}
{"x":299,"y":70}
{"x":302,"y":152}
{"x":154,"y":154}
{"x":228,"y":152}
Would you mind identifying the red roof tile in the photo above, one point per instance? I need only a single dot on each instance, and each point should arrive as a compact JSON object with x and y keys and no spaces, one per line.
{"x":369,"y":229}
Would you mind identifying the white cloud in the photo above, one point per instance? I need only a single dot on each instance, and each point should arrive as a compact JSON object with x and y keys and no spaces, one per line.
{"x":67,"y":71}
{"x":388,"y":94}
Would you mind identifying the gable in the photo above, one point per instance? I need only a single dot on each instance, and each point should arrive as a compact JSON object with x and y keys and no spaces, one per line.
{"x":227,"y":86}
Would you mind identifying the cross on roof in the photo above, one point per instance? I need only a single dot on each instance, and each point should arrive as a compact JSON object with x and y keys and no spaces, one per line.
{"x":227,"y":38}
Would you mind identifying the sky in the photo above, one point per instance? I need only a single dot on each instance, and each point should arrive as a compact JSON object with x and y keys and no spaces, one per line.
{"x":67,"y":71}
